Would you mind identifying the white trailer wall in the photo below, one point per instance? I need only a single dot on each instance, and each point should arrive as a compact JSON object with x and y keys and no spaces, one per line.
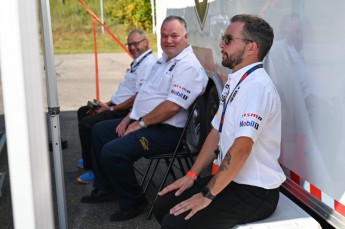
{"x":306,"y":63}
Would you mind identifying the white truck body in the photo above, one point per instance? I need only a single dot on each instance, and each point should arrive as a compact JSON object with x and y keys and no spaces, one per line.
{"x":306,"y":64}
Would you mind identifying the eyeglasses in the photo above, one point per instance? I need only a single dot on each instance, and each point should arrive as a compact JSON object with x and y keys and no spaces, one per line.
{"x":135,"y":43}
{"x":228,"y":39}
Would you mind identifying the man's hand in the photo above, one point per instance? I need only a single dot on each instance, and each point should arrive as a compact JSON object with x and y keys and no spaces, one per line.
{"x":91,"y":112}
{"x":121,"y":128}
{"x":133,"y":127}
{"x":181,"y":185}
{"x":195,"y":204}
{"x":104,"y":106}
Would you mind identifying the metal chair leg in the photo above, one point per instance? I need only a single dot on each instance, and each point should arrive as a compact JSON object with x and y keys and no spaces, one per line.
{"x":146,"y":172}
{"x":181,"y":166}
{"x":172,"y":173}
{"x":151,"y":176}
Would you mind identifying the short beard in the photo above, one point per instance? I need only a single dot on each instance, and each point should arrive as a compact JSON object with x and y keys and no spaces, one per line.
{"x":136,"y":49}
{"x":234,"y":60}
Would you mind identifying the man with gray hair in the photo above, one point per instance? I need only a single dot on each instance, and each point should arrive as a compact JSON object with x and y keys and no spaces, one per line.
{"x":121,"y":101}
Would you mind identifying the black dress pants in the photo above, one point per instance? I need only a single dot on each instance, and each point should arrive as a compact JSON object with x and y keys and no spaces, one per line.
{"x":236,"y":204}
{"x":114,"y":157}
{"x":85,"y":124}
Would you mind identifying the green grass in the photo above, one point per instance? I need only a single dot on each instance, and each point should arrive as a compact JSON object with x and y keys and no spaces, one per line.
{"x":73,"y":32}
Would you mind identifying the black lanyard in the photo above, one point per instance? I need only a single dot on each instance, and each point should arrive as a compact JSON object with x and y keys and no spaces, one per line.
{"x":135,"y":67}
{"x":234,"y":92}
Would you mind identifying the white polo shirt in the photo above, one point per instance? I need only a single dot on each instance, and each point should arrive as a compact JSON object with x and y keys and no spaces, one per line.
{"x":255,"y":112}
{"x":181,"y":80}
{"x":135,"y":77}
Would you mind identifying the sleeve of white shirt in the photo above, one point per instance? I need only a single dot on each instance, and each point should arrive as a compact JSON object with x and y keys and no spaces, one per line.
{"x":188,"y":82}
{"x":253,"y":109}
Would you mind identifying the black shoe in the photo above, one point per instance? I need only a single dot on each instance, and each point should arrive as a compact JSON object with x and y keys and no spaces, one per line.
{"x":97,"y":196}
{"x":126,"y":214}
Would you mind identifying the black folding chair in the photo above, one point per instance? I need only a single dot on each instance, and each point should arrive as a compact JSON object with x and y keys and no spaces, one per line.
{"x":182,"y":153}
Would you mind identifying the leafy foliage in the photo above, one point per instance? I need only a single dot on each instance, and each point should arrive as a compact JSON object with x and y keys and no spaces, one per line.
{"x":131,"y":13}
{"x":72,"y":25}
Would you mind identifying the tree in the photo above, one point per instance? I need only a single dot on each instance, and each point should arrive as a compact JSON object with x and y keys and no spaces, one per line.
{"x":131,"y":13}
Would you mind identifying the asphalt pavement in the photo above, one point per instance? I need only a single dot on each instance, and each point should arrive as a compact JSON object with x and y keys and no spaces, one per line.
{"x":76,"y":85}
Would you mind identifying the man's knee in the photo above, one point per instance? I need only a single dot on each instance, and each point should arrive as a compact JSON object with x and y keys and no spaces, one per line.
{"x":84,"y":124}
{"x":171,"y":222}
{"x":163,"y":205}
{"x":113,"y":154}
{"x":159,"y":210}
{"x":97,"y":129}
{"x":167,"y":224}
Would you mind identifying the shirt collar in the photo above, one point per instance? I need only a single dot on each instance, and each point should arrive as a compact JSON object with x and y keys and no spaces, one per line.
{"x":180,"y":56}
{"x":139,"y":57}
{"x":236,"y":76}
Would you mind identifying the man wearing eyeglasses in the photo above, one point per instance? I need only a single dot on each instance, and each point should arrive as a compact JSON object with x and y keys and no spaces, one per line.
{"x":121,"y":101}
{"x":158,"y":116}
{"x":244,"y":143}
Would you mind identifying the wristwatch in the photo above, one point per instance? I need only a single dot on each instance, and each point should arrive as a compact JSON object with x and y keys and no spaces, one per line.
{"x":141,"y":122}
{"x":205,"y":191}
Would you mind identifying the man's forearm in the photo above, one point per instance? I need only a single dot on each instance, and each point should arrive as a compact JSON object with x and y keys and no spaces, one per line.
{"x":231,"y":164}
{"x":125,"y":105}
{"x":162,"y":112}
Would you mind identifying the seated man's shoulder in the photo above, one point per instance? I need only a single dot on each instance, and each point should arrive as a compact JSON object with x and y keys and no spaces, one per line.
{"x":191,"y":60}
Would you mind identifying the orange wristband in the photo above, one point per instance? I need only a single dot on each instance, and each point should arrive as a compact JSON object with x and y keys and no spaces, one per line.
{"x":192,"y":175}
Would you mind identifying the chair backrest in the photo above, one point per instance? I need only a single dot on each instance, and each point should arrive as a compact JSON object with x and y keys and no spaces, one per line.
{"x":182,"y":143}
